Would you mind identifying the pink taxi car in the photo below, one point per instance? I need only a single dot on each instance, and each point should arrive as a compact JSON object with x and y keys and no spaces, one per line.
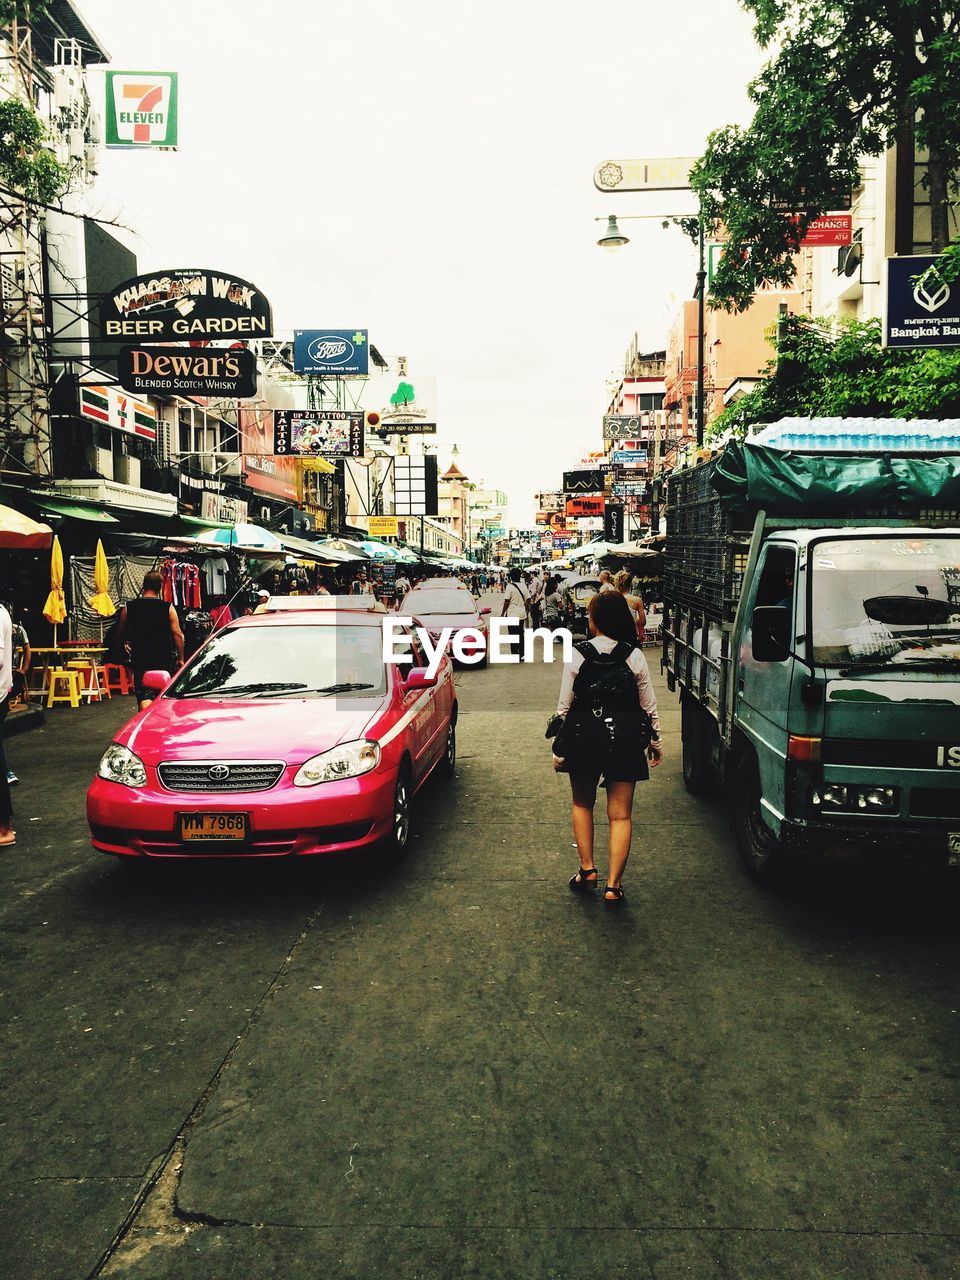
{"x":286,"y":734}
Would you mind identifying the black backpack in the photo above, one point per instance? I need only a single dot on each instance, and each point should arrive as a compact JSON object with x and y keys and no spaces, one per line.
{"x":606,"y":715}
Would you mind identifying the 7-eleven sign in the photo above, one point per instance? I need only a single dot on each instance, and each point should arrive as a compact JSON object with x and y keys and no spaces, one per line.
{"x":141,"y":109}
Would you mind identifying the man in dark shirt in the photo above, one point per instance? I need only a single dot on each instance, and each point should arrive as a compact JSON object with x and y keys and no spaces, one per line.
{"x":151,"y":629}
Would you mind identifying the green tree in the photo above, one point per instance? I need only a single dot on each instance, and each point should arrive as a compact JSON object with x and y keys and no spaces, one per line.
{"x":846,"y":79}
{"x":844,"y":372}
{"x":26,"y":164}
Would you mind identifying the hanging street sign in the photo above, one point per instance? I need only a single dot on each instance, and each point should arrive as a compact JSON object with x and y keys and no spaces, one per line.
{"x":169,"y":306}
{"x":407,"y":405}
{"x":116,"y":409}
{"x":628,"y":457}
{"x":922,"y":310}
{"x":382,"y":526}
{"x":588,"y":481}
{"x":332,"y":353}
{"x":188,"y":371}
{"x":666,"y":173}
{"x":624,"y":427}
{"x":141,"y":109}
{"x":330,"y":433}
{"x":832,"y":231}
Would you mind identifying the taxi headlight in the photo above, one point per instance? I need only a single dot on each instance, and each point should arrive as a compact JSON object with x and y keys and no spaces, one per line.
{"x":119,"y":764}
{"x":349,"y":760}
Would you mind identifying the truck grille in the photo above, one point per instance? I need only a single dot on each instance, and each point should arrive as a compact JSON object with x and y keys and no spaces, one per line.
{"x":934,"y":802}
{"x":879,"y":754}
{"x":205,"y":775}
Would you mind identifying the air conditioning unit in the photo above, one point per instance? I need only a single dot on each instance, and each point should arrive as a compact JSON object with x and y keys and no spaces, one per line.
{"x":228,"y":464}
{"x":127,"y":470}
{"x":101,"y":460}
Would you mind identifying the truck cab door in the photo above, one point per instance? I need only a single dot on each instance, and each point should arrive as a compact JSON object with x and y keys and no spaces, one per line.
{"x":763,"y":696}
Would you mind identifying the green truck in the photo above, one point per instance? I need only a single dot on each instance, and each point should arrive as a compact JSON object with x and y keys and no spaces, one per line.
{"x":812,"y":628}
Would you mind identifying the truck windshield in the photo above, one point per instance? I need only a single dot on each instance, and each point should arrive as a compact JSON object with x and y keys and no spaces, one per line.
{"x":887,"y":602}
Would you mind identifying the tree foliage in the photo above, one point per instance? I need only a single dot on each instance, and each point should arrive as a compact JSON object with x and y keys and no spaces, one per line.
{"x":22,"y":10}
{"x":846,"y":78}
{"x":26,"y":165}
{"x":844,"y":372}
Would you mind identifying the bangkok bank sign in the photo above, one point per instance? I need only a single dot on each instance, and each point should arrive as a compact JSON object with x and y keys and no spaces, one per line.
{"x":141,"y":109}
{"x":171,"y":306}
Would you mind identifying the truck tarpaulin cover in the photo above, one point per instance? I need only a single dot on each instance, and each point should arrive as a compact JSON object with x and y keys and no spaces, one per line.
{"x":757,"y":477}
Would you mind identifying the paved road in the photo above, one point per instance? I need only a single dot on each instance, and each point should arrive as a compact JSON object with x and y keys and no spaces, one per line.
{"x":457,"y":1068}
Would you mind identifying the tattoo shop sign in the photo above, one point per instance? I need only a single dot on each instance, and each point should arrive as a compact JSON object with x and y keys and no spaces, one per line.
{"x":171,"y":306}
{"x":185,"y":371}
{"x":922,"y":309}
{"x":332,"y":433}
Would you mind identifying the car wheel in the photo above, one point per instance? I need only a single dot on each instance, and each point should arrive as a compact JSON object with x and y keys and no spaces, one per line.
{"x":759,"y":849}
{"x":398,"y":841}
{"x":448,"y":761}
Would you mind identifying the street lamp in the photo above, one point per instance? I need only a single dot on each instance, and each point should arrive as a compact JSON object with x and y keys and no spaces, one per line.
{"x":613,"y":238}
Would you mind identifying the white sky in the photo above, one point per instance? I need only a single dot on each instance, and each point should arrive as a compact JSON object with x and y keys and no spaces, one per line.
{"x":424,"y":169}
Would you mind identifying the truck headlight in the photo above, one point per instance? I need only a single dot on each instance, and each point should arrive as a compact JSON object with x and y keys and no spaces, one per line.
{"x":878,"y":799}
{"x":349,"y":760}
{"x":119,"y":764}
{"x":833,"y":796}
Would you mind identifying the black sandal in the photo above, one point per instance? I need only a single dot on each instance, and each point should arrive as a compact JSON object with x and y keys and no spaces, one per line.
{"x":582,"y":884}
{"x":613,"y":902}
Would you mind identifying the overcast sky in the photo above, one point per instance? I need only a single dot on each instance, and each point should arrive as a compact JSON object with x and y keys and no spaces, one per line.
{"x":424,"y":169}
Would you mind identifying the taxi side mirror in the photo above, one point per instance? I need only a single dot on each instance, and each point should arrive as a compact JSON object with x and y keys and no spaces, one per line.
{"x":418,"y":678}
{"x":155,"y":681}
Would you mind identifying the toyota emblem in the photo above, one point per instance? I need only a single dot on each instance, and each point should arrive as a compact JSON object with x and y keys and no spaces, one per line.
{"x":218,"y":772}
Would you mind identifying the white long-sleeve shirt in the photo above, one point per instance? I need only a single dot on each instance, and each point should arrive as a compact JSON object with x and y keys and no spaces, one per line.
{"x":6,"y":653}
{"x":637,"y":664}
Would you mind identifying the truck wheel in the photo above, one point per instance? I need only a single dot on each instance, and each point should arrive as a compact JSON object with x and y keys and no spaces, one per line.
{"x":760,"y":852}
{"x":699,"y":776}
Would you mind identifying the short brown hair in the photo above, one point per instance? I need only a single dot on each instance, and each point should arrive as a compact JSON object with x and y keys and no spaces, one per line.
{"x":611,"y":615}
{"x":152,"y":581}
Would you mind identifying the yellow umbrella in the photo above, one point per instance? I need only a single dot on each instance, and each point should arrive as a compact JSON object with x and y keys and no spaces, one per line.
{"x":101,"y":580}
{"x":55,"y":610}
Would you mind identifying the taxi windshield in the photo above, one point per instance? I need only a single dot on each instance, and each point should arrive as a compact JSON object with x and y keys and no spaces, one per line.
{"x":284,"y":662}
{"x":887,"y":602}
{"x":440,"y":601}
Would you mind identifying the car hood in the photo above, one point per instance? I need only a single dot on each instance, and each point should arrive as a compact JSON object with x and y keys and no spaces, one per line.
{"x":434,"y":621}
{"x":248,"y":729}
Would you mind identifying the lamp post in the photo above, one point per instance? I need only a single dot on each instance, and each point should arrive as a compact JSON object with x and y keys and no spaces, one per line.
{"x":613,"y":238}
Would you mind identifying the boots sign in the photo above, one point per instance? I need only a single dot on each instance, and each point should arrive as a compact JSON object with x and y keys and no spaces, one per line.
{"x":176,"y":306}
{"x":186,"y":371}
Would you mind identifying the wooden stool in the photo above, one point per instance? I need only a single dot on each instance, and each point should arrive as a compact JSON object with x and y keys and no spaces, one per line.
{"x":60,"y":675}
{"x":118,"y":684}
{"x":86,"y":669}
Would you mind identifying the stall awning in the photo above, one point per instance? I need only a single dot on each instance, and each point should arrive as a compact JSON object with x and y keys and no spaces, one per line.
{"x":70,"y":510}
{"x":315,"y":551}
{"x":18,"y":532}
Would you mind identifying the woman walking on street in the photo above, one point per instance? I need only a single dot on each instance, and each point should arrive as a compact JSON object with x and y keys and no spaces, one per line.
{"x":623,"y":582}
{"x":611,"y":730}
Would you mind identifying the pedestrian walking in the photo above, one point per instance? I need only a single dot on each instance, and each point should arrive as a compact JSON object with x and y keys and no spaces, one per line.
{"x":623,"y":583}
{"x":151,"y":629}
{"x":515,"y":610}
{"x":610,"y":730}
{"x":552,"y":601}
{"x":7,"y":834}
{"x":606,"y":580}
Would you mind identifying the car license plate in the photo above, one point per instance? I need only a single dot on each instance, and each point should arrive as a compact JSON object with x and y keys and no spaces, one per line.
{"x":213,"y":827}
{"x":953,"y":848}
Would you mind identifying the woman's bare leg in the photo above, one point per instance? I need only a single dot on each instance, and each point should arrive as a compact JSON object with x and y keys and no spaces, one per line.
{"x":584,"y":798}
{"x":620,"y":815}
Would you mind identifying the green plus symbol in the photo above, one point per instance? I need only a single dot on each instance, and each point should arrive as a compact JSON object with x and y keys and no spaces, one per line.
{"x":359,"y":339}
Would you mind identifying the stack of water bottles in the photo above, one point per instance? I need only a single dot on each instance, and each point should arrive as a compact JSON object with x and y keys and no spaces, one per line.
{"x":862,"y":435}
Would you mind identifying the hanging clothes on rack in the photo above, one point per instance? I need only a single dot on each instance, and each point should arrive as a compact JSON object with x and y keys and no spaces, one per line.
{"x":181,"y":583}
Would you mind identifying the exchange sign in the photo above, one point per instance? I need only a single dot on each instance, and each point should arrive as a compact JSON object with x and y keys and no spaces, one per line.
{"x":334,"y":353}
{"x":922,"y":309}
{"x":186,"y":371}
{"x":169,"y":306}
{"x":318,"y":433}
